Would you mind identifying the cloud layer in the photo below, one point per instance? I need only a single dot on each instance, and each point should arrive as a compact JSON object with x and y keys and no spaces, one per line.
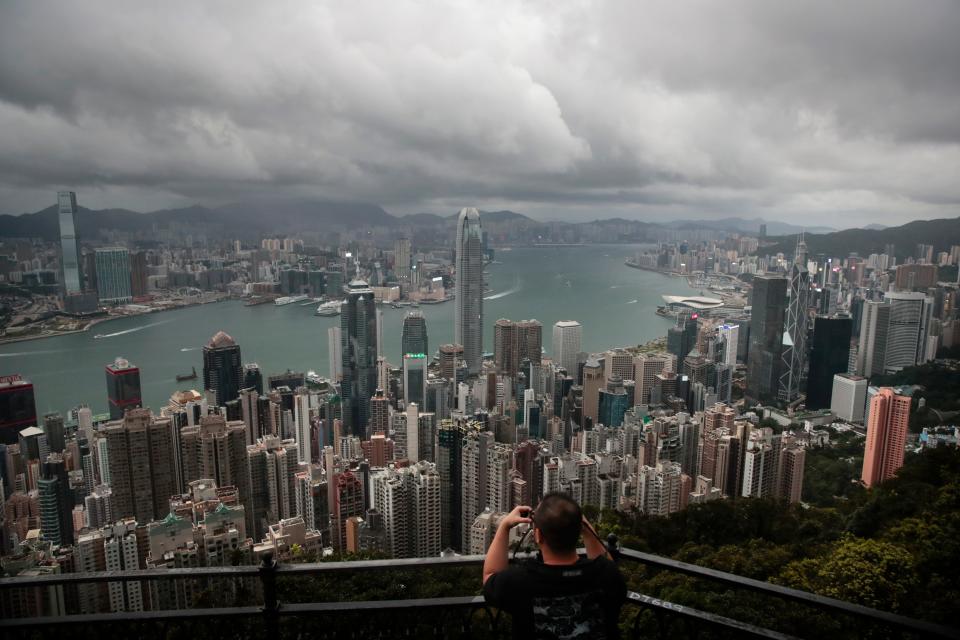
{"x":821,"y":111}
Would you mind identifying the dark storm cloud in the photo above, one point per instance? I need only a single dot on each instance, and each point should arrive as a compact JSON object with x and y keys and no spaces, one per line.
{"x":569,"y":110}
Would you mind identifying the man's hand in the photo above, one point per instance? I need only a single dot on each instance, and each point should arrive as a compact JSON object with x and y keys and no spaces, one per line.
{"x":519,"y":515}
{"x":496,"y":560}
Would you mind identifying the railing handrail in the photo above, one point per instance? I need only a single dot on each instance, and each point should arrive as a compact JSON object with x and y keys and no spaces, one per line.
{"x":317,"y":568}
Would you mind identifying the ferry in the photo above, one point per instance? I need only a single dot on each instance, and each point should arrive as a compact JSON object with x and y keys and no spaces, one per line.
{"x":289,"y":300}
{"x":329,"y":308}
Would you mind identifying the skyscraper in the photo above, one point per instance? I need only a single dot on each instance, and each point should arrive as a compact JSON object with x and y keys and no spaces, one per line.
{"x":272,"y":469}
{"x":69,"y":242}
{"x":592,"y":383}
{"x":894,"y":333}
{"x":794,"y":354}
{"x":468,"y":319}
{"x":682,"y":338}
{"x":334,"y":345}
{"x":828,"y":356}
{"x":567,"y":336}
{"x":18,"y":408}
{"x":222,"y":368}
{"x":514,"y":342}
{"x":848,"y":398}
{"x":414,"y":378}
{"x":450,"y":467}
{"x":886,"y":436}
{"x":140,"y":459}
{"x":485,"y":479}
{"x":401,"y":260}
{"x":216,"y":449}
{"x":450,"y":355}
{"x":113,"y":275}
{"x":123,"y":387}
{"x":414,"y":336}
{"x":765,"y":361}
{"x":358,"y":345}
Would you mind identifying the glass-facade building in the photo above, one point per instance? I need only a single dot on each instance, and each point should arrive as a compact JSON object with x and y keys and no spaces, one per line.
{"x":69,"y":242}
{"x":113,"y":275}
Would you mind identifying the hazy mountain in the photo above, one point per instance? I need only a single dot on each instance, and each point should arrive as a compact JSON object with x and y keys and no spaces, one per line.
{"x":744,"y":225}
{"x":942,"y":233}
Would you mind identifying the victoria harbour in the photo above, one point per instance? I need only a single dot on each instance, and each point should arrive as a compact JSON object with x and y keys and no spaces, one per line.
{"x":616,"y":306}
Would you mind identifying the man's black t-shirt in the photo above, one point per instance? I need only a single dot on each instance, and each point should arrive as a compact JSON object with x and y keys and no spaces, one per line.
{"x":579,"y":600}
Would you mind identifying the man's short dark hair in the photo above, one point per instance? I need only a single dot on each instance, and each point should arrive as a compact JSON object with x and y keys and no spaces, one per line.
{"x":559,"y":518}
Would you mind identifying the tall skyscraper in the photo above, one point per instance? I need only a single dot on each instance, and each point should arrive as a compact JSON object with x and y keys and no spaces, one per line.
{"x":450,"y":355}
{"x":414,"y":378}
{"x":829,"y":356}
{"x":567,"y":336}
{"x":450,"y":467}
{"x":113,"y":275}
{"x":794,"y":353}
{"x":592,"y":383}
{"x":123,"y":387}
{"x":69,"y":243}
{"x":682,"y":338}
{"x":222,"y":368}
{"x":414,"y":335}
{"x":764,"y":365}
{"x":485,"y":479}
{"x":894,"y":333}
{"x":409,"y":500}
{"x":334,"y":346}
{"x":645,"y":370}
{"x":514,"y":342}
{"x":358,"y":344}
{"x":272,"y":469}
{"x":216,"y":449}
{"x":401,"y":260}
{"x":18,"y":408}
{"x":252,"y":377}
{"x":140,"y":458}
{"x":468,"y":319}
{"x":886,"y":436}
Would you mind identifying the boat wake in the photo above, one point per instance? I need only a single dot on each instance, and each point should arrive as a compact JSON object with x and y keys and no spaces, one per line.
{"x":514,"y":289}
{"x":14,"y":354}
{"x":133,"y":330}
{"x":189,"y":349}
{"x":632,"y":301}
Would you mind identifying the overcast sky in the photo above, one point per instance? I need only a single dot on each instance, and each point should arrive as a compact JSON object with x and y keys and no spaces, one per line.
{"x":838,"y":113}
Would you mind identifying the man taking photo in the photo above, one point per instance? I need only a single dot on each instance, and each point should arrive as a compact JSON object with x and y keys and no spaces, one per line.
{"x":564,"y":596}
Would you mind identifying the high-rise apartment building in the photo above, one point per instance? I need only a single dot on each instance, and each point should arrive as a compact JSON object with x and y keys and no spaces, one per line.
{"x":140,"y":458}
{"x":123,"y":387}
{"x":272,"y":468}
{"x":514,"y":342}
{"x":449,"y":466}
{"x":113,"y":275}
{"x":645,"y":370}
{"x":409,"y":501}
{"x":468,"y":318}
{"x":222,"y":368}
{"x":335,"y":355}
{"x":216,"y":449}
{"x":485,"y":478}
{"x":829,"y":356}
{"x":567,"y":338}
{"x":346,"y":501}
{"x":358,"y":345}
{"x":414,"y":334}
{"x":765,"y":362}
{"x":72,"y":277}
{"x":658,"y":489}
{"x":886,"y":436}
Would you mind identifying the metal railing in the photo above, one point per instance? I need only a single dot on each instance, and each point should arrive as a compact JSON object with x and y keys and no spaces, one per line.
{"x":475,"y":617}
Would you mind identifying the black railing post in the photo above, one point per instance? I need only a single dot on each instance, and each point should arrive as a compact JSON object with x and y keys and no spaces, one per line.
{"x":271,"y":608}
{"x":613,"y":546}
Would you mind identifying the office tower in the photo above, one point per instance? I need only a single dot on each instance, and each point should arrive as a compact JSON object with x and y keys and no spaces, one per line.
{"x":379,"y":413}
{"x":222,"y":368}
{"x":894,"y":333}
{"x":794,"y":354}
{"x":468,"y":321}
{"x":485,"y":479}
{"x":618,"y":363}
{"x":450,"y":468}
{"x":138,"y":274}
{"x":54,"y":430}
{"x":915,"y":277}
{"x":56,"y":501}
{"x":305,"y":407}
{"x":335,"y":355}
{"x":272,"y":469}
{"x":592,"y":383}
{"x":358,"y":344}
{"x":252,"y":378}
{"x":645,"y":369}
{"x":141,"y":465}
{"x":764,"y":365}
{"x":414,"y":335}
{"x":69,"y":243}
{"x":216,"y":449}
{"x":409,"y":501}
{"x":613,"y":403}
{"x":401,"y":261}
{"x":414,"y":378}
{"x":731,"y":338}
{"x":515,"y":342}
{"x":123,"y":387}
{"x":790,"y":475}
{"x":450,"y":355}
{"x":113,"y":275}
{"x":849,"y":397}
{"x":886,"y":436}
{"x":682,"y":338}
{"x":658,"y":490}
{"x":829,"y":356}
{"x":567,"y":338}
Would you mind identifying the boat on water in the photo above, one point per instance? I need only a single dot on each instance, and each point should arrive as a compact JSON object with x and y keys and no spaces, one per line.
{"x":98,"y":336}
{"x":187,"y":376}
{"x":331,"y":308}
{"x":289,"y":300}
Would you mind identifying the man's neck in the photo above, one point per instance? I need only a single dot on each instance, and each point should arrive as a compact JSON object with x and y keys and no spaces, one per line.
{"x":549,"y":557}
